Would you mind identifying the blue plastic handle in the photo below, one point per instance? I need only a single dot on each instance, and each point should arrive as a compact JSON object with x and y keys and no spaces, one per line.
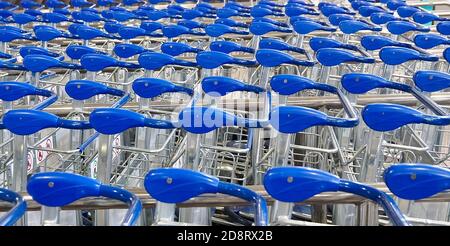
{"x":191,"y":24}
{"x":317,"y":43}
{"x":354,"y":26}
{"x":428,"y":41}
{"x":335,"y":19}
{"x":395,"y":4}
{"x":292,"y":119}
{"x":387,"y":117}
{"x":407,"y":11}
{"x":443,"y":27}
{"x":296,"y":184}
{"x":85,"y":89}
{"x":23,"y":19}
{"x":5,"y":4}
{"x":58,"y":189}
{"x":175,"y":48}
{"x":30,"y":121}
{"x":80,"y":3}
{"x":63,"y":11}
{"x":105,"y":3}
{"x":16,"y":212}
{"x":11,"y":91}
{"x":88,"y":16}
{"x":230,"y":22}
{"x":151,"y":26}
{"x":296,"y":10}
{"x":328,"y":10}
{"x":5,"y":56}
{"x":258,"y":11}
{"x":129,"y":32}
{"x":40,"y":63}
{"x":275,"y":44}
{"x":172,"y":31}
{"x":88,"y":33}
{"x":54,"y":17}
{"x":128,"y":50}
{"x":447,"y":55}
{"x":77,"y":51}
{"x":260,"y":28}
{"x":173,"y":185}
{"x":228,"y":47}
{"x":48,"y":33}
{"x":9,"y":35}
{"x":214,"y":59}
{"x":55,"y":4}
{"x":34,"y":50}
{"x":376,"y":42}
{"x":33,"y":12}
{"x":221,"y":86}
{"x":366,"y":11}
{"x":357,"y":4}
{"x":381,"y":18}
{"x":228,"y":12}
{"x":402,"y":27}
{"x":123,"y":16}
{"x":274,"y":22}
{"x":112,"y":27}
{"x":360,"y":83}
{"x":155,"y":61}
{"x":431,"y":81}
{"x":112,"y":121}
{"x":273,"y":58}
{"x":416,"y":181}
{"x":306,"y":27}
{"x":287,"y":84}
{"x":153,"y":87}
{"x":423,"y":17}
{"x":29,"y":4}
{"x":11,"y":66}
{"x":191,"y":14}
{"x":399,"y":55}
{"x":335,"y":57}
{"x":97,"y":62}
{"x":217,"y":30}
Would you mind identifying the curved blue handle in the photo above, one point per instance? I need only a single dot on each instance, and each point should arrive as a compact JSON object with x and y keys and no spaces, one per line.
{"x":63,"y":11}
{"x":335,"y":57}
{"x":221,"y":86}
{"x":11,"y":91}
{"x":112,"y":121}
{"x":80,"y":3}
{"x":293,"y":10}
{"x":400,"y":27}
{"x":16,"y":212}
{"x":260,"y":28}
{"x":387,"y":117}
{"x":217,"y":30}
{"x":11,"y":66}
{"x":423,"y":17}
{"x":40,"y":63}
{"x":54,"y":17}
{"x":274,"y":22}
{"x":175,"y":48}
{"x":431,"y":81}
{"x":85,"y":89}
{"x":153,"y":87}
{"x":172,"y":31}
{"x":97,"y":62}
{"x":270,"y":43}
{"x":59,"y":189}
{"x":201,"y":120}
{"x":376,"y":42}
{"x":296,"y":184}
{"x":191,"y":24}
{"x":130,"y":32}
{"x":356,"y":4}
{"x":128,"y":50}
{"x":328,"y":10}
{"x":367,"y":10}
{"x":214,"y":59}
{"x":381,"y":18}
{"x":9,"y":35}
{"x":273,"y":58}
{"x":230,"y":22}
{"x":23,"y":19}
{"x":291,"y":119}
{"x":259,"y":11}
{"x":306,"y":27}
{"x":88,"y":33}
{"x":336,"y":19}
{"x":155,"y":61}
{"x":287,"y":84}
{"x":112,"y":27}
{"x":317,"y":43}
{"x":5,"y":56}
{"x":48,"y":33}
{"x":395,"y":4}
{"x":407,"y":11}
{"x":88,"y":16}
{"x":5,"y":4}
{"x":443,"y":27}
{"x":399,"y":55}
{"x":360,"y":83}
{"x":29,"y":4}
{"x":428,"y":41}
{"x":34,"y":50}
{"x":77,"y":51}
{"x":191,"y":14}
{"x":228,"y":47}
{"x":228,"y":12}
{"x":416,"y":181}
{"x":151,"y":26}
{"x":354,"y":26}
{"x":447,"y":55}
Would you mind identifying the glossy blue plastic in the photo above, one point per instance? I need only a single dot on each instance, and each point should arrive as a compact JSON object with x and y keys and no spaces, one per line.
{"x":112,"y":121}
{"x":11,"y":91}
{"x":274,"y":22}
{"x":423,"y":17}
{"x":40,"y":63}
{"x":431,"y":81}
{"x":54,"y":17}
{"x":112,"y":27}
{"x":273,"y":58}
{"x":399,"y":55}
{"x":48,"y":33}
{"x":123,"y":16}
{"x":366,"y":11}
{"x":360,"y":83}
{"x":428,"y":41}
{"x":230,"y":22}
{"x":354,"y":26}
{"x":401,"y":27}
{"x":128,"y":50}
{"x":260,"y":28}
{"x":62,"y":11}
{"x":6,"y":13}
{"x":153,"y":87}
{"x":228,"y":12}
{"x":18,"y":209}
{"x":287,"y":84}
{"x":357,"y":4}
{"x":88,"y":16}
{"x":275,"y":44}
{"x":191,"y":14}
{"x":388,"y":117}
{"x":258,"y":11}
{"x":151,"y":26}
{"x":29,"y":4}
{"x":30,"y":121}
{"x":77,"y":51}
{"x":5,"y":4}
{"x":128,"y":32}
{"x":80,"y":3}
{"x":23,"y":19}
{"x":407,"y":11}
{"x":306,"y":27}
{"x":97,"y":62}
{"x":11,"y":66}
{"x":34,"y":50}
{"x":201,"y":120}
{"x":335,"y":57}
{"x":416,"y":181}
{"x":9,"y":35}
{"x":215,"y":59}
{"x":317,"y":43}
{"x":5,"y":56}
{"x":295,"y":10}
{"x":175,"y":48}
{"x":381,"y":18}
{"x":105,"y":3}
{"x":172,"y":31}
{"x":328,"y":10}
{"x":221,"y":86}
{"x":228,"y":47}
{"x":85,"y":89}
{"x":88,"y":33}
{"x":155,"y":61}
{"x":447,"y":55}
{"x":376,"y":42}
{"x":217,"y":30}
{"x":395,"y":4}
{"x":191,"y":24}
{"x":443,"y":27}
{"x":57,"y":189}
{"x":291,"y":119}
